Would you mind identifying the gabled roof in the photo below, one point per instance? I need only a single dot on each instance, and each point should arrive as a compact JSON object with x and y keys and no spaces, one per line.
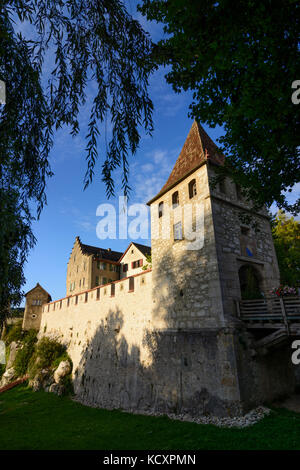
{"x":101,"y":253}
{"x":38,"y":285}
{"x":144,"y":249}
{"x":197,"y":149}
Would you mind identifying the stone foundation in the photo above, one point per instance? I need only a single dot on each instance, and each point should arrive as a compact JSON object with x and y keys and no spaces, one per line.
{"x":189,"y":372}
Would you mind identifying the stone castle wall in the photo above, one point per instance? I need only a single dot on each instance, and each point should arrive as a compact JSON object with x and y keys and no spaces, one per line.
{"x":124,"y":358}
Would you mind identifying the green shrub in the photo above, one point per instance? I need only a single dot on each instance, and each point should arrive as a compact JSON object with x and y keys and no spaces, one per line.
{"x":63,"y":357}
{"x":24,"y":355}
{"x":48,"y":350}
{"x":48,"y":354}
{"x":14,"y":332}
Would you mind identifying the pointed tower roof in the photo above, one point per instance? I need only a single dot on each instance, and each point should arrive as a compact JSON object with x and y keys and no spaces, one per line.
{"x":197,"y":149}
{"x":38,"y":285}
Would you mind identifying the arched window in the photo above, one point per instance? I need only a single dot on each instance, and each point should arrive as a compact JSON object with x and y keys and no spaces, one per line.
{"x":160,"y":209}
{"x":192,"y":188}
{"x":175,"y":200}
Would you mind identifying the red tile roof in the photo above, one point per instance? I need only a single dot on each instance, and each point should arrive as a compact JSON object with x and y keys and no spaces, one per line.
{"x":197,"y":149}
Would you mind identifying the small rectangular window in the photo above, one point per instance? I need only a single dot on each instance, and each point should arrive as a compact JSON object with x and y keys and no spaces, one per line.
{"x":177,"y":228}
{"x":103,"y":266}
{"x":131,"y":284}
{"x":222,"y":186}
{"x":111,"y":267}
{"x":175,"y":200}
{"x":68,"y":302}
{"x":76,"y":299}
{"x":160,"y":209}
{"x":238,"y":189}
{"x":112,"y":290}
{"x":98,"y":293}
{"x":97,"y":280}
{"x":86,"y":297}
{"x":125,"y":268}
{"x":104,"y":280}
{"x":60,"y":305}
{"x":245,"y":231}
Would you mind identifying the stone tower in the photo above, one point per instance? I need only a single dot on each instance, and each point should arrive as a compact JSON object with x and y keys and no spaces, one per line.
{"x":35,"y":299}
{"x":204,"y":260}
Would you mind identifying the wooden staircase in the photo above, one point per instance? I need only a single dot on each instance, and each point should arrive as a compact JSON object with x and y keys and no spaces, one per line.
{"x":279,"y":316}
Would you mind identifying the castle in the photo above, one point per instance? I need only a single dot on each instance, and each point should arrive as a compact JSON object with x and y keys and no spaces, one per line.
{"x":170,"y":337}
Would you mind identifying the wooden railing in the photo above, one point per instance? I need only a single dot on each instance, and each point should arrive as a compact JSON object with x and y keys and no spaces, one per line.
{"x":282,"y":310}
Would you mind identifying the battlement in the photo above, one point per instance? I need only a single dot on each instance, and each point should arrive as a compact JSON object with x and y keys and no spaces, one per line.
{"x":109,"y":290}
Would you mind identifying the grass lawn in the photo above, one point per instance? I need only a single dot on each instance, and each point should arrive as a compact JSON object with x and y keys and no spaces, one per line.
{"x":40,"y":420}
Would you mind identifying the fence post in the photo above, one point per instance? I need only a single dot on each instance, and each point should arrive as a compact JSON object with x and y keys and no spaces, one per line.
{"x":284,"y":315}
{"x":237,"y":306}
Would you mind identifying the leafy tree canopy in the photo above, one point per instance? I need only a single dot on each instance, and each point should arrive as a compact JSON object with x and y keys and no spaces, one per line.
{"x":91,"y":41}
{"x":240,"y":60}
{"x":286,"y":235}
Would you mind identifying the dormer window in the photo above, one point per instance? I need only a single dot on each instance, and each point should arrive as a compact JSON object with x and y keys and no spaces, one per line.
{"x":175,"y":200}
{"x":160,"y":209}
{"x":192,"y":188}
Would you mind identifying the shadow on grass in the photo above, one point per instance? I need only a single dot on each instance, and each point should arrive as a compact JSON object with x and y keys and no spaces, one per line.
{"x":39,"y":420}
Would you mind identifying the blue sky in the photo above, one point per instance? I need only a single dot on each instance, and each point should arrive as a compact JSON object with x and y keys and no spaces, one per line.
{"x":71,"y":211}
